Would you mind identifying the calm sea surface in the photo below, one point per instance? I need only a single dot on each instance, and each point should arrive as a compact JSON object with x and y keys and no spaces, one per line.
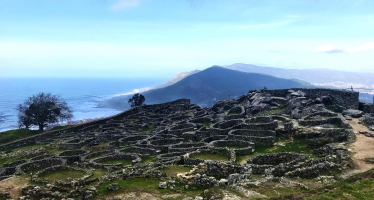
{"x":81,"y":94}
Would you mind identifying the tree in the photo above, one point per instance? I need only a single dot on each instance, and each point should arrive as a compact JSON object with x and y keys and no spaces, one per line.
{"x":43,"y":109}
{"x":136,"y":100}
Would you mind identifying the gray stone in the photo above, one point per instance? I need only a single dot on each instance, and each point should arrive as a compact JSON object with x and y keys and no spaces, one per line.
{"x":113,"y":187}
{"x":162,"y":185}
{"x":353,"y":113}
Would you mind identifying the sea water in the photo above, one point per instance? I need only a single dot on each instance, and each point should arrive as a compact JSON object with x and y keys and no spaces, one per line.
{"x":81,"y":94}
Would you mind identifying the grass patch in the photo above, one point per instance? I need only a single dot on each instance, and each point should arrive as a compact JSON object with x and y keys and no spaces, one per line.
{"x":149,"y":128}
{"x":210,"y":156}
{"x":369,"y":160}
{"x":55,"y":151}
{"x":131,"y":185}
{"x":336,"y":125}
{"x":290,"y":145}
{"x":124,"y":162}
{"x":271,"y":112}
{"x":173,"y":170}
{"x":29,"y":147}
{"x":149,"y":159}
{"x":233,"y":147}
{"x":206,"y":124}
{"x":62,"y":175}
{"x":33,"y":171}
{"x":358,"y":186}
{"x":57,"y":128}
{"x":97,"y":173}
{"x":12,"y":135}
{"x":9,"y":160}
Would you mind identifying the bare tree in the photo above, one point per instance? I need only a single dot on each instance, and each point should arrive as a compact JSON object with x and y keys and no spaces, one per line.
{"x":43,"y":109}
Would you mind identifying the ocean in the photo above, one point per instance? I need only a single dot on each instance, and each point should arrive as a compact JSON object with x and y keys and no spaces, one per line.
{"x":81,"y":94}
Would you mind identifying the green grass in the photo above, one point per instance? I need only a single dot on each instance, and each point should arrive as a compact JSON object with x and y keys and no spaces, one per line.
{"x":61,"y":127}
{"x":149,"y":159}
{"x":210,"y":156}
{"x":207,"y":124}
{"x":336,"y":125}
{"x":29,"y":147}
{"x":124,"y":162}
{"x":233,"y":113}
{"x":131,"y":185}
{"x":9,"y":160}
{"x":12,"y":135}
{"x":358,"y":186}
{"x":149,"y":129}
{"x":97,"y":173}
{"x":33,"y":171}
{"x":62,"y":175}
{"x":271,"y":112}
{"x":173,"y":170}
{"x":55,"y":151}
{"x":291,"y":145}
{"x":233,"y":147}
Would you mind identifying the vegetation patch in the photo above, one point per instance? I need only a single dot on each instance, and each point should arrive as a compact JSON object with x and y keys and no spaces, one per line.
{"x":124,"y":162}
{"x":149,"y":159}
{"x":12,"y":135}
{"x":271,"y":112}
{"x":358,"y":186}
{"x":210,"y":156}
{"x":285,"y":145}
{"x":207,"y":124}
{"x":29,"y":147}
{"x":62,"y":175}
{"x":131,"y":185}
{"x":149,"y":129}
{"x":173,"y":170}
{"x":97,"y":173}
{"x":57,"y":128}
{"x":369,"y":160}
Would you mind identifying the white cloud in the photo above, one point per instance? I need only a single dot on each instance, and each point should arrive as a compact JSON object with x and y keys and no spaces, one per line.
{"x":337,"y":49}
{"x":329,"y":49}
{"x":363,"y":48}
{"x":123,"y":4}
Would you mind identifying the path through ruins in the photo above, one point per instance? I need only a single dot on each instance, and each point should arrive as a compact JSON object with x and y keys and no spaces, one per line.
{"x":362,"y":148}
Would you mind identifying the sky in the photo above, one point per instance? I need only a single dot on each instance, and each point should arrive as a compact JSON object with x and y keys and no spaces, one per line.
{"x":161,"y":38}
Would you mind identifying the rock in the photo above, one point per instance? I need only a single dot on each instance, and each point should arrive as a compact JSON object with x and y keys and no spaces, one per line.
{"x":4,"y":194}
{"x":198,"y":198}
{"x":162,"y":185}
{"x":113,"y":187}
{"x":353,"y":113}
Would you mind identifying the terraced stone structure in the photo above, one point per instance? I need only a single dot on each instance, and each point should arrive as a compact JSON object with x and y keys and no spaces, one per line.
{"x":276,"y":134}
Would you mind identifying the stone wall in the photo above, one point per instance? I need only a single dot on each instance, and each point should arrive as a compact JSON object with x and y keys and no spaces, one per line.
{"x":344,"y":98}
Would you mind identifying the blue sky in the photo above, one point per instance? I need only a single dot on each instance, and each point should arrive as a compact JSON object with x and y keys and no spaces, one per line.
{"x":161,"y":38}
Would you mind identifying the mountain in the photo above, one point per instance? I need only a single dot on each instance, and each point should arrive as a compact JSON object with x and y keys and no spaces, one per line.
{"x":318,"y":77}
{"x":361,"y":82}
{"x":210,"y":85}
{"x":175,"y":79}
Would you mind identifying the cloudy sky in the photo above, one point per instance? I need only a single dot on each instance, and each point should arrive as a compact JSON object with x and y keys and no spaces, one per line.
{"x":160,"y":38}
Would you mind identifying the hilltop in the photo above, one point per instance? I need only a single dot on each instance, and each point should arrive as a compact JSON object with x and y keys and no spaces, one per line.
{"x":278,"y":144}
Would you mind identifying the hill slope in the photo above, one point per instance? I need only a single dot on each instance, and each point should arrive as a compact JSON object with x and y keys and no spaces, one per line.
{"x":210,"y":85}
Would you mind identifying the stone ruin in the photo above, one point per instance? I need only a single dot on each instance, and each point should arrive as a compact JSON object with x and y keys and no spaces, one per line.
{"x":175,"y":133}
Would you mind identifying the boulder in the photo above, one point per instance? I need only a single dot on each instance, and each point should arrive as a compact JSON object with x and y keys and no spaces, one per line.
{"x":353,"y":113}
{"x":162,"y":185}
{"x":113,"y":187}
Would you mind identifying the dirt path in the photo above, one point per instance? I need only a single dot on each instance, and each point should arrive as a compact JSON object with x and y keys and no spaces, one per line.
{"x":362,"y":148}
{"x":14,"y":185}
